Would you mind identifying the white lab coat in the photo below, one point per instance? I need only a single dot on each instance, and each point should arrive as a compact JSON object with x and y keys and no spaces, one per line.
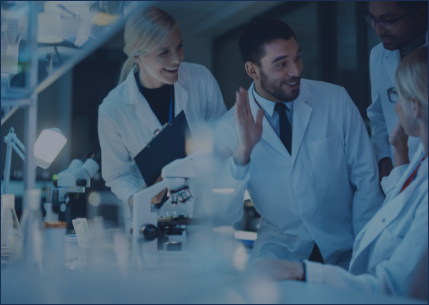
{"x":388,"y":251}
{"x":381,"y":113}
{"x":126,"y":124}
{"x":325,"y":192}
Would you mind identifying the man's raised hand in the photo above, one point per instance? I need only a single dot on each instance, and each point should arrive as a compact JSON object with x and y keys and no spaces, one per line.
{"x":248,"y":131}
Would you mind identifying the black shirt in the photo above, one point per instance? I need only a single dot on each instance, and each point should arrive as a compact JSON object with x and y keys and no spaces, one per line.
{"x":159,"y":100}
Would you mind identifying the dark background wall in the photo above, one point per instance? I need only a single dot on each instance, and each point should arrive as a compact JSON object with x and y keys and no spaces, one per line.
{"x":335,"y":42}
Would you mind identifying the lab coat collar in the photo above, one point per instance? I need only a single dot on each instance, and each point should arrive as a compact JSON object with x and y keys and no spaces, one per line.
{"x":268,"y":133}
{"x":301,"y":116}
{"x":391,"y":62}
{"x":268,"y":105}
{"x":180,"y":93}
{"x":416,"y":159}
{"x":395,"y":205}
{"x":132,"y":95}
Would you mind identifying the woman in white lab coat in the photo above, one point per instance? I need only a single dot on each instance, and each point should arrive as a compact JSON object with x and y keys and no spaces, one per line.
{"x":388,"y":252}
{"x":154,"y":86}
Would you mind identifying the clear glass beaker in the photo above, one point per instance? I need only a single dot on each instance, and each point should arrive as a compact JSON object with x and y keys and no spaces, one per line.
{"x":9,"y":223}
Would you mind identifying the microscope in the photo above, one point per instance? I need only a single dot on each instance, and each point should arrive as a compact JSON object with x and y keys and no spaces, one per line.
{"x":159,"y":234}
{"x":69,"y":183}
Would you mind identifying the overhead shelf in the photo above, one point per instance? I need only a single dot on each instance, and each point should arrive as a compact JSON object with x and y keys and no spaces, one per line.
{"x":67,"y":32}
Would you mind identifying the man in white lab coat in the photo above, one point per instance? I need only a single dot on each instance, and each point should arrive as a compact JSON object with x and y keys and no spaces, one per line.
{"x":402,"y":27}
{"x":307,"y":162}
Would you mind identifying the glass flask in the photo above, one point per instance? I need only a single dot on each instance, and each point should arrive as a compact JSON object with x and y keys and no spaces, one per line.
{"x":9,"y":223}
{"x":28,"y":246}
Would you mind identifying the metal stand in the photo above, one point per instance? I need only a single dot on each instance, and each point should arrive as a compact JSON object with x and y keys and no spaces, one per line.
{"x":12,"y":142}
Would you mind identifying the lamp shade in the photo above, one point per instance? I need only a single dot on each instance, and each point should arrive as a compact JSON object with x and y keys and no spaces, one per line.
{"x":47,"y":147}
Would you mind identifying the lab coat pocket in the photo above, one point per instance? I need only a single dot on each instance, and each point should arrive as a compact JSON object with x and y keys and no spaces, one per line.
{"x":383,"y":248}
{"x":328,"y":160}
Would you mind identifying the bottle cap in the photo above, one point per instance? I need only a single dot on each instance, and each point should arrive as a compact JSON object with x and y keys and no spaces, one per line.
{"x":33,"y":198}
{"x":56,"y":225}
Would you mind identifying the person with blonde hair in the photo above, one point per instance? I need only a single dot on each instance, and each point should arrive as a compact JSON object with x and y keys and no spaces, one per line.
{"x":154,"y":86}
{"x":392,"y":248}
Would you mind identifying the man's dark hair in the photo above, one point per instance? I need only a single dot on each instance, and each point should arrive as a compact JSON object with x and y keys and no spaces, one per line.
{"x":412,"y":5}
{"x":259,"y":32}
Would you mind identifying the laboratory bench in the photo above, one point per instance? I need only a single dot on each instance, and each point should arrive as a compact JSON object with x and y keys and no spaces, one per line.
{"x":173,"y":285}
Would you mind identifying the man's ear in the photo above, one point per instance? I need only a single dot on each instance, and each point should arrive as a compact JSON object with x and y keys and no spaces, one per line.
{"x":252,"y":70}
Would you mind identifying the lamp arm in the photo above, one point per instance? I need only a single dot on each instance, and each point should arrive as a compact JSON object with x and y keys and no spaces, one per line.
{"x":18,"y":151}
{"x":19,"y":143}
{"x":12,"y":142}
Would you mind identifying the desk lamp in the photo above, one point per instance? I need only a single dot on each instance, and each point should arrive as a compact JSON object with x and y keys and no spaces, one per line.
{"x":47,"y":147}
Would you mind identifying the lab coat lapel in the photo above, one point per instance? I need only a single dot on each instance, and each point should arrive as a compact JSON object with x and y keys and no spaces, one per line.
{"x":301,"y":117}
{"x":181,"y":94}
{"x":132,"y":95}
{"x":268,"y":133}
{"x":395,"y":206}
{"x":180,"y":99}
{"x":391,"y":61}
{"x":416,"y":158}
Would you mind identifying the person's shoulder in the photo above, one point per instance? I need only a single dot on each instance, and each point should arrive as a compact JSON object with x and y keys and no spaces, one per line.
{"x":195,"y":68}
{"x":195,"y":71}
{"x":377,"y":53}
{"x":112,"y":101}
{"x":320,"y":87}
{"x":226,"y":123}
{"x":328,"y":96}
{"x":228,"y":117}
{"x":378,"y":50}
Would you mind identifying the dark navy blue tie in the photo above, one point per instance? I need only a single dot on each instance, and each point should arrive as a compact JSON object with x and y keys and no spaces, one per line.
{"x":285,"y":130}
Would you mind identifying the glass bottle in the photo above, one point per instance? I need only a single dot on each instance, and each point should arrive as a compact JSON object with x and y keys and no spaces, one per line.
{"x":28,"y":246}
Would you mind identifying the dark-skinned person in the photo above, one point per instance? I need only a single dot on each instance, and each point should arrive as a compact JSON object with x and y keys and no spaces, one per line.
{"x":402,"y":27}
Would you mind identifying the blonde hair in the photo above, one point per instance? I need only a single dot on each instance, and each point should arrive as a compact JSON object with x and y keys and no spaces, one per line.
{"x":143,"y":31}
{"x":411,"y":79}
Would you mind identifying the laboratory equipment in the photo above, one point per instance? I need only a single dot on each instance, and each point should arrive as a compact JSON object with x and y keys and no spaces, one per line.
{"x":50,"y":26}
{"x":54,"y":247}
{"x":159,"y":234}
{"x":9,"y":223}
{"x":23,"y":23}
{"x":71,"y":248}
{"x":28,"y":245}
{"x":71,"y":181}
{"x":81,"y":228}
{"x":46,"y":148}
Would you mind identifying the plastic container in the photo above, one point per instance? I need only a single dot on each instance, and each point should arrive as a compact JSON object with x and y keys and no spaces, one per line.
{"x":54,"y":246}
{"x":72,"y":248}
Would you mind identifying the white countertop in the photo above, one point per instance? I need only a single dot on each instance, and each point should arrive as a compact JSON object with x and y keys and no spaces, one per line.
{"x":166,"y":285}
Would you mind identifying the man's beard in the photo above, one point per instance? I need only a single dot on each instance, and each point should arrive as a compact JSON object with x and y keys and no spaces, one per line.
{"x":275,"y":89}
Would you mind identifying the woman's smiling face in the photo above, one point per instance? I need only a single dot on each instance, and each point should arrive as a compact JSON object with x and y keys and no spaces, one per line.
{"x":160,"y":66}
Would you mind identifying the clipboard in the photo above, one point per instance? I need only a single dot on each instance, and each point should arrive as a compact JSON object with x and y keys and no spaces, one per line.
{"x":164,"y":148}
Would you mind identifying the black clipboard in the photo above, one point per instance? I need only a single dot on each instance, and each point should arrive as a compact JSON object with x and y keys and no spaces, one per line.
{"x":166,"y":147}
